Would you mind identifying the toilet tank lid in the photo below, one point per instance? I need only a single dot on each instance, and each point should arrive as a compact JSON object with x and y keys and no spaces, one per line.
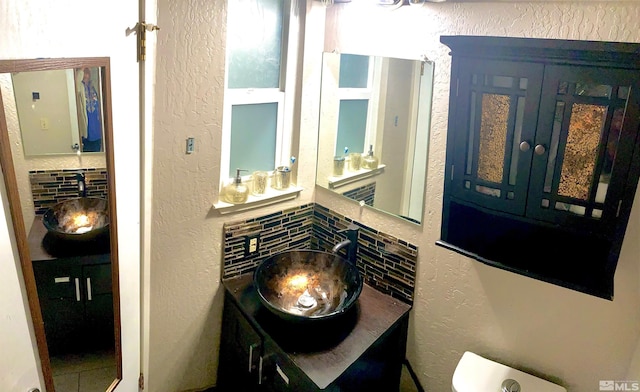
{"x":477,"y":374}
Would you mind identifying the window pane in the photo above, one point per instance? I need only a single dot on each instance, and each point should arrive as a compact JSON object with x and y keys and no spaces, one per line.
{"x":579,"y":160}
{"x":472,"y":127}
{"x":610,"y":154}
{"x":623,"y":92}
{"x":352,"y":122}
{"x":488,"y":190}
{"x":254,"y":36}
{"x":563,"y":88}
{"x":555,"y":140}
{"x":593,"y":90}
{"x":354,"y":71}
{"x":493,"y":136}
{"x":253,"y":137}
{"x":523,"y":83}
{"x":502,"y":81}
{"x":517,"y":135}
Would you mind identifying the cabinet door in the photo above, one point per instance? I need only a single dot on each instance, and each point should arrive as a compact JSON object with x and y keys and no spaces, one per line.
{"x":59,"y":286}
{"x":240,"y":352}
{"x":99,"y":305}
{"x":587,"y":127}
{"x":495,"y":123}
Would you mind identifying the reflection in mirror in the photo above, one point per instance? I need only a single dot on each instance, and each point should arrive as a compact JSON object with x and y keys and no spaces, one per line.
{"x":374,"y":131}
{"x":59,"y":110}
{"x":63,"y":213}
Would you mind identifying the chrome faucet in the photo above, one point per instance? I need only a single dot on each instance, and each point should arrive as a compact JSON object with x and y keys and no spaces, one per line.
{"x":82,"y":184}
{"x":351,"y":242}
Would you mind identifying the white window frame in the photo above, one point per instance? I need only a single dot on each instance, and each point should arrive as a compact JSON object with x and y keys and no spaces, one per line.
{"x":284,"y":96}
{"x":367,"y":93}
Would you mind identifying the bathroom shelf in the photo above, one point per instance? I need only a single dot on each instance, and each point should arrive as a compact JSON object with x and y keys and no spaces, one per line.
{"x":337,"y":182}
{"x":271,"y":197}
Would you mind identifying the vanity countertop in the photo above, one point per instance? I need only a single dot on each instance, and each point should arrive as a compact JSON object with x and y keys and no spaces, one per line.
{"x":44,"y":247}
{"x":35,"y":240}
{"x":323,"y":350}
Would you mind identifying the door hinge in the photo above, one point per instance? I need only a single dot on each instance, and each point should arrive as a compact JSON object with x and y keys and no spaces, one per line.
{"x":141,"y":382}
{"x":141,"y":29}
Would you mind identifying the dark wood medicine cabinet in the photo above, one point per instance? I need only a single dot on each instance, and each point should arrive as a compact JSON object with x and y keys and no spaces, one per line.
{"x":543,"y":156}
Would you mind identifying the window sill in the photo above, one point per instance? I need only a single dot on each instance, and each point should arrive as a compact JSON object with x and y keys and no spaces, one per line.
{"x":337,"y":182}
{"x":271,"y":197}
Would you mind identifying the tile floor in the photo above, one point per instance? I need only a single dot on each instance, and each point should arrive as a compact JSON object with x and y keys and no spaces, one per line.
{"x":86,"y":372}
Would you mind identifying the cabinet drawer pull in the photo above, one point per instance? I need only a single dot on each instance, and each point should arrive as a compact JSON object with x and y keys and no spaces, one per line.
{"x":62,"y":279}
{"x":77,"y":280}
{"x":282,"y":375}
{"x":540,"y":149}
{"x":251,"y":347}
{"x":260,"y":372}
{"x":525,"y":146}
{"x":89,"y":289}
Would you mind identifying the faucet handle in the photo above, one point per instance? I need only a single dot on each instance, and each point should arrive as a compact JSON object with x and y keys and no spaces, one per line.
{"x":350,"y":227}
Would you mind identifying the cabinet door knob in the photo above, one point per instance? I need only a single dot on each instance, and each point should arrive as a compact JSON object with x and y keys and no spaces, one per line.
{"x":540,"y":149}
{"x":525,"y":146}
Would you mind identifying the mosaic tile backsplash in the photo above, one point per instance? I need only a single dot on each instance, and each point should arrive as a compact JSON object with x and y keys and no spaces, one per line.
{"x":386,"y":263}
{"x":280,"y":231}
{"x":364,"y":193}
{"x":50,"y":187}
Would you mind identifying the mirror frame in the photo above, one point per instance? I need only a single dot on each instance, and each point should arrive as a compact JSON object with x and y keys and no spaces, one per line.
{"x":20,"y":234}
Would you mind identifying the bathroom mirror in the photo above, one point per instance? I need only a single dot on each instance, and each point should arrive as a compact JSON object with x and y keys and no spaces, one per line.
{"x":375,"y":110}
{"x":59,"y":110}
{"x":68,"y":256}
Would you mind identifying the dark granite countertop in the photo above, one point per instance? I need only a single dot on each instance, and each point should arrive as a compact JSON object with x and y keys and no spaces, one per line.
{"x":324,"y":349}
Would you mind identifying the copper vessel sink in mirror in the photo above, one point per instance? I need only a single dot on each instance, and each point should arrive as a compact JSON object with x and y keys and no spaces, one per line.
{"x":307,"y":285}
{"x":80,"y":219}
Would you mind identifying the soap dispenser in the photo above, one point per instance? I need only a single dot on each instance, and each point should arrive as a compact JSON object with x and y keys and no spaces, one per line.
{"x":236,"y":192}
{"x":369,"y":161}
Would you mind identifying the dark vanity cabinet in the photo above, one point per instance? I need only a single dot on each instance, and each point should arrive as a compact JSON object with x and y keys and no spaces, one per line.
{"x":542,"y":156}
{"x":76,"y":297}
{"x":362,"y":350}
{"x":76,"y":301}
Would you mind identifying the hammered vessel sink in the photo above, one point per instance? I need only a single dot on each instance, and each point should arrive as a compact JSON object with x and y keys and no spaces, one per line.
{"x":302,"y":285}
{"x":79,"y":219}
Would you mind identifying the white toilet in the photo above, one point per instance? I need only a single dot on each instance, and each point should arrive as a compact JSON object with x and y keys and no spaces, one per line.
{"x":477,"y":374}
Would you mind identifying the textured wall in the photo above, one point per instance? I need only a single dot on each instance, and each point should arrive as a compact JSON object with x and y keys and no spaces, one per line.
{"x":461,"y":304}
{"x":187,"y":234}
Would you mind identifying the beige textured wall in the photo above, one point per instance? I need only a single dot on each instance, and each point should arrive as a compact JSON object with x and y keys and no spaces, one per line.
{"x":186,"y":239}
{"x":461,"y":304}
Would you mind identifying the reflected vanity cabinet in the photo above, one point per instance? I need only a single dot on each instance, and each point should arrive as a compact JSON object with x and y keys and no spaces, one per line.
{"x":542,"y":156}
{"x":76,"y":300}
